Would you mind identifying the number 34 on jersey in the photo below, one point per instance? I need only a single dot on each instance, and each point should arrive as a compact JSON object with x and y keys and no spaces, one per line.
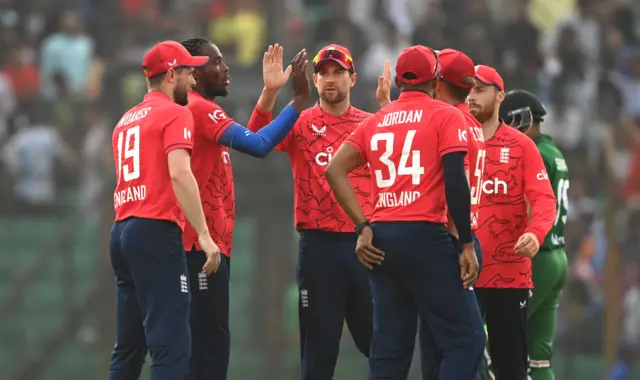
{"x":408,"y":170}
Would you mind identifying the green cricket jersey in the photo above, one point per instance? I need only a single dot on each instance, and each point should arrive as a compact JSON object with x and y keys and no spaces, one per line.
{"x":559,"y":178}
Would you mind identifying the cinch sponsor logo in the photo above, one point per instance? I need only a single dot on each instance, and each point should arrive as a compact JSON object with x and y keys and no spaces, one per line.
{"x":542,"y":175}
{"x":494,"y":186}
{"x":323,"y":158}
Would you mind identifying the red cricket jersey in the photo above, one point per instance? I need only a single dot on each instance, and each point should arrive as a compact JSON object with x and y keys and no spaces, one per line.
{"x":141,"y":141}
{"x":404,"y":143}
{"x":475,"y":162}
{"x":211,"y":165}
{"x":514,"y":174}
{"x":312,"y":142}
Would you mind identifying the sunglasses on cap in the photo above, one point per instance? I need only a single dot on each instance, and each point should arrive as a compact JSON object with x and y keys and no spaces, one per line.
{"x":335,"y":54}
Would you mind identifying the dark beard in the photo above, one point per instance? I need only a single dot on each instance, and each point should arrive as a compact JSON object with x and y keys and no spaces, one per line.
{"x":483,"y":116}
{"x":340,"y":97}
{"x":181,"y":97}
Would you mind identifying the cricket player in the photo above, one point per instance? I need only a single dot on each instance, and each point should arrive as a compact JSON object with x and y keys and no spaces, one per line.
{"x":333,"y":286}
{"x":524,"y":111}
{"x":214,"y":133}
{"x":152,"y":143}
{"x":416,"y":151}
{"x":514,"y":179}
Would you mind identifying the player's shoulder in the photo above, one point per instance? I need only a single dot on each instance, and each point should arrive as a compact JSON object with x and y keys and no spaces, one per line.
{"x":359,"y":115}
{"x":441,"y":111}
{"x":307,"y":114}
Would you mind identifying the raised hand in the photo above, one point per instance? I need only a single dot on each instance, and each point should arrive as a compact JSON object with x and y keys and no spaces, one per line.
{"x":273,"y":74}
{"x":383,"y":92}
{"x":300,"y":82}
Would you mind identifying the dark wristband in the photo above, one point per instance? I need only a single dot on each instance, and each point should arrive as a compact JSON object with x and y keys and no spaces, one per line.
{"x":361,"y":226}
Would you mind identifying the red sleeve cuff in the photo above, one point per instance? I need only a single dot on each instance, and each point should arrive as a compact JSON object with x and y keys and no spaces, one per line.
{"x":178,"y":146}
{"x":455,"y":148}
{"x":261,"y":112}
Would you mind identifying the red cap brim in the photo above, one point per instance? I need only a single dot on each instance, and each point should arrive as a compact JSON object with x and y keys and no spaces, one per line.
{"x":488,"y":82}
{"x":197,"y":61}
{"x":343,"y":64}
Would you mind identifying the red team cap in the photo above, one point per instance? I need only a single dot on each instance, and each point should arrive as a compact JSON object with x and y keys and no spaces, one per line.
{"x":420,"y":61}
{"x":336,"y":53}
{"x":456,"y":66}
{"x":169,"y":55}
{"x":489,"y":76}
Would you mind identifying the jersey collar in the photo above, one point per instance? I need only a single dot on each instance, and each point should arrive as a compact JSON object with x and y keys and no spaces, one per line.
{"x":411,"y":95}
{"x":317,"y":111}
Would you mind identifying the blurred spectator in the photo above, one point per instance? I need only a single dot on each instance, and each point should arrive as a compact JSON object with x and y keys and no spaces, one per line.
{"x":388,"y":47}
{"x":520,"y":62}
{"x":31,"y":154}
{"x":240,"y":35}
{"x":68,"y":52}
{"x":96,"y":160}
{"x":7,"y":104}
{"x":22,"y":72}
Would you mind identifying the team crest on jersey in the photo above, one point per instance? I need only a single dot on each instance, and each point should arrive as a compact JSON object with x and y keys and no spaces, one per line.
{"x":504,"y":155}
{"x":318,"y":131}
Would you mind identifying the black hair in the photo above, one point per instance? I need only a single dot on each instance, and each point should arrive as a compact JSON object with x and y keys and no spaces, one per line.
{"x":194,"y":45}
{"x":459,"y":93}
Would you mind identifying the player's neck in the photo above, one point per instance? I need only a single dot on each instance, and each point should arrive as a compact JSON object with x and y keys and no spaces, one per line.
{"x":163,"y":90}
{"x":203,"y":93}
{"x":336,"y":110}
{"x":490,"y":127}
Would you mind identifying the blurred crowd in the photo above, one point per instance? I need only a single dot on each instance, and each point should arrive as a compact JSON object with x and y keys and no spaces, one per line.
{"x":70,"y":68}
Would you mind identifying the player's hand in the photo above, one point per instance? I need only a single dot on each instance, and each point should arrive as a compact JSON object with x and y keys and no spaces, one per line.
{"x":469,"y":266}
{"x":366,"y":252}
{"x":212,"y":251}
{"x":383,"y":92}
{"x":527,"y":245}
{"x":300,"y":82}
{"x":273,"y":75}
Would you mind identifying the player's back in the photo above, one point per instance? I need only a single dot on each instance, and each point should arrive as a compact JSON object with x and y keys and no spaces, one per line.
{"x":403,"y":144}
{"x":141,"y":140}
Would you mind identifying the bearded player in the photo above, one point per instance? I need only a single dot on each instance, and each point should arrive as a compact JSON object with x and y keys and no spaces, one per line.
{"x":515,"y":180}
{"x":333,"y":286}
{"x":524,"y":111}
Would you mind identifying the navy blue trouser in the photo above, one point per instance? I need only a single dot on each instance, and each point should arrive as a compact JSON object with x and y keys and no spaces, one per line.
{"x":333,"y":287}
{"x":429,"y":354}
{"x":152,"y":299}
{"x":420,"y":277}
{"x":210,"y":341}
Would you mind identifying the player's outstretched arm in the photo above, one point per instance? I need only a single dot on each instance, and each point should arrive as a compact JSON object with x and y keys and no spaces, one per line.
{"x":274,"y":77}
{"x":260,"y":143}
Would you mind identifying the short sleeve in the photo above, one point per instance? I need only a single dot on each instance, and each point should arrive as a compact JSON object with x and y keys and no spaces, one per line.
{"x":178,"y":132}
{"x":357,"y":139}
{"x":451,"y":129}
{"x":211,"y":120}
